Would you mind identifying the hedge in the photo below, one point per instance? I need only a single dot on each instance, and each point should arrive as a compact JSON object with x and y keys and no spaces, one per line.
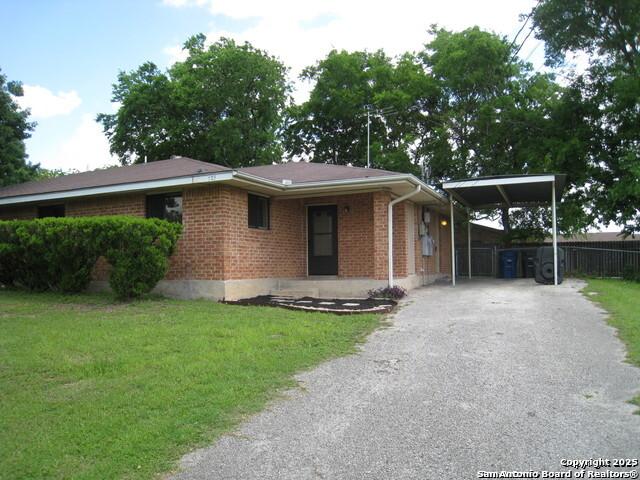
{"x":59,"y":254}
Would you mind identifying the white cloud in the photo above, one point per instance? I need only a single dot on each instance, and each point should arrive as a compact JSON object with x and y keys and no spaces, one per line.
{"x":85,"y":149}
{"x":300,"y":33}
{"x":45,"y":104}
{"x":175,"y":54}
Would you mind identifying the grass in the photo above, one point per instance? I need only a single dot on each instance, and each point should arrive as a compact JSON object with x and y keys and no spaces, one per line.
{"x":622,"y":300}
{"x":93,"y":389}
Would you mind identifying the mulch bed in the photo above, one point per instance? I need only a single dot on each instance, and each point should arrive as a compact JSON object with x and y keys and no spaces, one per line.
{"x":335,"y":305}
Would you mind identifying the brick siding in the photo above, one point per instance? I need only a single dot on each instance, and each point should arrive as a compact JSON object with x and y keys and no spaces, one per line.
{"x":217,"y":242}
{"x":278,"y":251}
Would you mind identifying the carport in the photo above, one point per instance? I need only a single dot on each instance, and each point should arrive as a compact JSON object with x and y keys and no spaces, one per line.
{"x":505,"y":191}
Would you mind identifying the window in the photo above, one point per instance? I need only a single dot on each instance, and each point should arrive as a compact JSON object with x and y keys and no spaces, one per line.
{"x":51,"y":211}
{"x":258,"y":211}
{"x":167,"y":206}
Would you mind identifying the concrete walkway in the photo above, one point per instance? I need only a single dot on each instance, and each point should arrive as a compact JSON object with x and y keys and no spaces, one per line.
{"x":488,"y":375}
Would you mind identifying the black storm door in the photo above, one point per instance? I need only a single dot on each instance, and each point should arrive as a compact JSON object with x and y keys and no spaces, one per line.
{"x":323,"y":240}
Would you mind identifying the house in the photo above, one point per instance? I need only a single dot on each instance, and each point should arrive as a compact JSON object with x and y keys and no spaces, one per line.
{"x":307,"y":228}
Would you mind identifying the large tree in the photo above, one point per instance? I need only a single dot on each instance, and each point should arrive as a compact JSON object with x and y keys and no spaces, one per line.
{"x":496,"y":116}
{"x":15,"y":128}
{"x":608,"y":32}
{"x":223,"y":104}
{"x":331,"y":127}
{"x":465,"y":106}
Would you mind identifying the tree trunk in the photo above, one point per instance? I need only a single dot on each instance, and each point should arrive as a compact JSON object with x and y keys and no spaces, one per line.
{"x":506,"y":224}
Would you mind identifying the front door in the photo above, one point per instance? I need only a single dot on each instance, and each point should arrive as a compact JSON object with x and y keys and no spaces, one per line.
{"x":323,"y":240}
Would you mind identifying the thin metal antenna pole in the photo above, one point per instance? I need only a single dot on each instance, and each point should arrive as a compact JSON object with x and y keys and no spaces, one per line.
{"x":368,"y":139}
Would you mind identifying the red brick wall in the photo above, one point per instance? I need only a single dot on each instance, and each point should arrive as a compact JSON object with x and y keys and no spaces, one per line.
{"x":199,"y":253}
{"x":281,"y":251}
{"x":355,"y":235}
{"x":263,"y":253}
{"x":129,"y":204}
{"x":380,"y":239}
{"x":218,"y":244}
{"x":400,"y":240}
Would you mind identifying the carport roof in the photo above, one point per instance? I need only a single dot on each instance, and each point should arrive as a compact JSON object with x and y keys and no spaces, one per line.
{"x":506,"y":190}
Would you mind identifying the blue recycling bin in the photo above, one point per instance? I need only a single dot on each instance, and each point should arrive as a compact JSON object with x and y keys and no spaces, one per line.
{"x":508,"y":263}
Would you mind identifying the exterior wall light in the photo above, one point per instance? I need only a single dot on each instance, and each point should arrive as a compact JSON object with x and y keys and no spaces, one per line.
{"x":444,"y":222}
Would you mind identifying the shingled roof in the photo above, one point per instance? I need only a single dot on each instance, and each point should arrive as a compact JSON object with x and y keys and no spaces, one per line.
{"x":296,"y":172}
{"x":303,"y":172}
{"x":143,"y":172}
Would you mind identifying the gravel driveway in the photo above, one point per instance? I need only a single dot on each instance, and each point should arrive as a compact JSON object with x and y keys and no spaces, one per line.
{"x":488,"y":375}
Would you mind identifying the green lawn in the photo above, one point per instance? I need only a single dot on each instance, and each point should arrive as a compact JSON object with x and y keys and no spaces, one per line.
{"x":622,"y":300}
{"x":90,"y":388}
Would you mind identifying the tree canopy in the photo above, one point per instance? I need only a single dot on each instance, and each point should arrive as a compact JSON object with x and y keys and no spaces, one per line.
{"x":496,"y":116}
{"x":331,"y":127}
{"x":464,"y":106}
{"x":608,"y":93}
{"x":223,"y":104}
{"x":15,"y":128}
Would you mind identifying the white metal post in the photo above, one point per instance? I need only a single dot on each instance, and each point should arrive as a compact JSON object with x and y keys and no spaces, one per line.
{"x":453,"y":246}
{"x":555,"y":233}
{"x":469,"y":241}
{"x":368,"y":139}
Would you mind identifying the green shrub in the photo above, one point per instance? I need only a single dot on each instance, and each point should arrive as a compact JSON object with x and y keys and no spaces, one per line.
{"x":9,"y":254}
{"x":138,"y":250}
{"x":48,"y":254}
{"x":59,"y":253}
{"x":69,"y":252}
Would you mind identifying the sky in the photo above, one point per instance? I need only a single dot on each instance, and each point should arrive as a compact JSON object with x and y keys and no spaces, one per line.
{"x":68,"y":53}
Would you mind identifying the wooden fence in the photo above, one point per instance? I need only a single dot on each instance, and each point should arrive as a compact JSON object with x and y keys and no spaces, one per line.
{"x":599,"y":259}
{"x":600,"y":262}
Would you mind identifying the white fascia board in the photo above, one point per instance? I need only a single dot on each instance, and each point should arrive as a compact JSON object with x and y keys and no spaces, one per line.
{"x":247,"y":177}
{"x":275,"y":186}
{"x":121,"y":188}
{"x":370,"y":181}
{"x":350,"y":181}
{"x":324,"y":185}
{"x":493,"y":182}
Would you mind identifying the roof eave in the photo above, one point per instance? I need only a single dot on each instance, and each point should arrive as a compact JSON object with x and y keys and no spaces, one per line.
{"x":119,"y":188}
{"x":275,"y":187}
